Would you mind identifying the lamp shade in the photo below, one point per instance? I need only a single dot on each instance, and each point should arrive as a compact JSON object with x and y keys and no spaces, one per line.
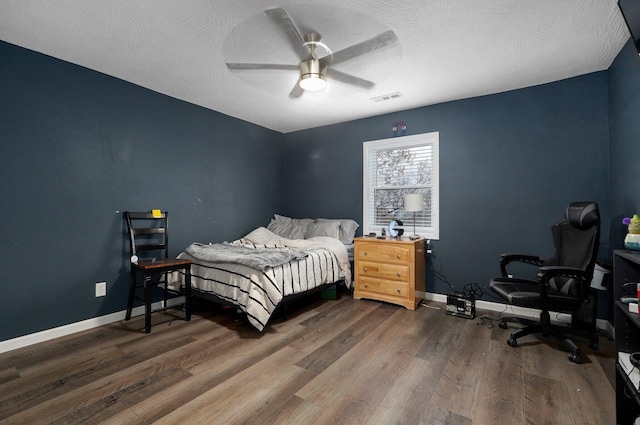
{"x":413,"y":202}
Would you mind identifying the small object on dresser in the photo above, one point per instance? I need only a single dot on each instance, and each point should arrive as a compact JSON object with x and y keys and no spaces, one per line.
{"x":394,"y":230}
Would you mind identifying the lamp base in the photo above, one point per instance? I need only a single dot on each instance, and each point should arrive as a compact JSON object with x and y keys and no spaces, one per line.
{"x":414,"y":237}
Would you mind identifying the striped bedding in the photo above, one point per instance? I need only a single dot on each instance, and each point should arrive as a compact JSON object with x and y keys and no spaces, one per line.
{"x":258,"y":292}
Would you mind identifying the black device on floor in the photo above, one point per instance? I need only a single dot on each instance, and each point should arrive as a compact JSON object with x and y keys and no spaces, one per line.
{"x":463,"y":304}
{"x":459,"y":305}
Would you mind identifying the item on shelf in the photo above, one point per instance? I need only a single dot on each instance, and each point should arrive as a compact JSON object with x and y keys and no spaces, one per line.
{"x":626,"y":275}
{"x":632,"y":240}
{"x":632,"y":372}
{"x":627,"y":300}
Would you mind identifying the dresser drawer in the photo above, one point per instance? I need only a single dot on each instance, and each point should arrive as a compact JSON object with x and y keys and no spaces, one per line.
{"x":384,"y":287}
{"x":384,"y":252}
{"x":399,"y":272}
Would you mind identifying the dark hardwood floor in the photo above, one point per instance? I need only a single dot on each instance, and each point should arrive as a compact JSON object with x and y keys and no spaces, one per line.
{"x":332,"y":362}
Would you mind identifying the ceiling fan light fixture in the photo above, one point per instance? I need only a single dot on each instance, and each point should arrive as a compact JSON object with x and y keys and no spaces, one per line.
{"x":313,"y":82}
{"x":312,"y":75}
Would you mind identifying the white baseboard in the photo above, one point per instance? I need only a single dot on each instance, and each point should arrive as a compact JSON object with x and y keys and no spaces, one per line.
{"x":511,"y":310}
{"x":34,"y":338}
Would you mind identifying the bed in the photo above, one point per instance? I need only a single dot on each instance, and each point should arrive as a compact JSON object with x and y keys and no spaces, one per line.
{"x":270,"y":266}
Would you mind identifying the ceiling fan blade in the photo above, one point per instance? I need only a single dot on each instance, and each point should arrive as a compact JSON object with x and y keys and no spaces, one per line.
{"x":260,"y":66}
{"x":296,"y":91}
{"x":349,"y":79}
{"x":381,"y":40}
{"x":281,"y":18}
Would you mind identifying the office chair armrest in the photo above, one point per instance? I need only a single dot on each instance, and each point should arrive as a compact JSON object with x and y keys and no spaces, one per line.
{"x":505,"y":259}
{"x":547,"y":272}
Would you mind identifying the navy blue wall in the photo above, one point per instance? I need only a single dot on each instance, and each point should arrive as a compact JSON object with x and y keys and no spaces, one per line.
{"x":80,"y":147}
{"x":624,"y":89}
{"x":509,"y":165}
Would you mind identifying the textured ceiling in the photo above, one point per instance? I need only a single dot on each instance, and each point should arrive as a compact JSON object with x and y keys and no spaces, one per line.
{"x":447,"y":49}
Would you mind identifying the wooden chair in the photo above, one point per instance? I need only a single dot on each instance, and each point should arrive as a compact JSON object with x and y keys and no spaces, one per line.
{"x":148,"y":236}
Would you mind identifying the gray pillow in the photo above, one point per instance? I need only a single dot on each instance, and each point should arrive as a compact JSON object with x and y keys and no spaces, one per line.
{"x":287,"y":230}
{"x":330,"y":229}
{"x":347,"y":230}
{"x":289,"y":220}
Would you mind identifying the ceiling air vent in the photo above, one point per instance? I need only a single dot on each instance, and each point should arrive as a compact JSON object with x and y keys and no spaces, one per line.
{"x":385,"y":97}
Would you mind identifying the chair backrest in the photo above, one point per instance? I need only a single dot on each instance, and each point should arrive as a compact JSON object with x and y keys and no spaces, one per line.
{"x":148,"y":233}
{"x":576,"y":242}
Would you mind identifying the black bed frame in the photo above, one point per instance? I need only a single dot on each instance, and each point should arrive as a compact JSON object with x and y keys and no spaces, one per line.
{"x":283,"y":307}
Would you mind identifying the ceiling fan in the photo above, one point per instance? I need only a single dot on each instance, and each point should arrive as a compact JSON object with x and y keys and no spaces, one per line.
{"x":314,"y":71}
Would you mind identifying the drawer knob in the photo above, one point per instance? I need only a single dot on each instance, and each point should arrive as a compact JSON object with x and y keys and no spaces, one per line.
{"x":365,"y":269}
{"x":365,"y":253}
{"x":398,"y":256}
{"x":398,"y":273}
{"x":366,"y":285}
{"x":398,"y":290}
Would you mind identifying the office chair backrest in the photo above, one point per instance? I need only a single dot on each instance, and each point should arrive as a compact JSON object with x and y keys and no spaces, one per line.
{"x":148,"y":234}
{"x":576,"y":241}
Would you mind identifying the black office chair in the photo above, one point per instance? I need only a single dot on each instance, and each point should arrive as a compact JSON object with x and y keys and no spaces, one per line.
{"x":563,"y":281}
{"x":149,"y":239}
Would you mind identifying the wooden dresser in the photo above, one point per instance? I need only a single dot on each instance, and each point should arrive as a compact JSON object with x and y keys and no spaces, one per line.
{"x":390,"y":270}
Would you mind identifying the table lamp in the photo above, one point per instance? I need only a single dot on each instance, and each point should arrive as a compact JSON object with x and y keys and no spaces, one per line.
{"x":413,"y":202}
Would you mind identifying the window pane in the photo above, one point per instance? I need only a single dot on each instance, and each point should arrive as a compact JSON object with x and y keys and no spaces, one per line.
{"x":389,"y":205}
{"x":403,"y":167}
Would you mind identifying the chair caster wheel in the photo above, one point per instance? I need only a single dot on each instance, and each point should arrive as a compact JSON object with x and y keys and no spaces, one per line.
{"x":574,"y":357}
{"x":503,"y":325}
{"x":512,"y":342}
{"x":594,"y":345}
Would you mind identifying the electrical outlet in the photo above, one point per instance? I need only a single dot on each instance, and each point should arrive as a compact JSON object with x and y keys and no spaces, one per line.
{"x":101,"y":289}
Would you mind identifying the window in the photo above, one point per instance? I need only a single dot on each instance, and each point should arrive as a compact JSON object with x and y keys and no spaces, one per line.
{"x":393,"y":168}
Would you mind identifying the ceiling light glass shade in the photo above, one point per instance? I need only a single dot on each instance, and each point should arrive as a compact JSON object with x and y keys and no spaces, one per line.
{"x":312,"y":75}
{"x":313,"y":82}
{"x":413,"y":202}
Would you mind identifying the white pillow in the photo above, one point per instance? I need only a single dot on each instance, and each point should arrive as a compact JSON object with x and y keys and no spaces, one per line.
{"x":330,"y":229}
{"x":260,"y":235}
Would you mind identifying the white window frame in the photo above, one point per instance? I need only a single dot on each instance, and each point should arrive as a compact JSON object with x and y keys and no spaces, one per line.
{"x":370,"y":148}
